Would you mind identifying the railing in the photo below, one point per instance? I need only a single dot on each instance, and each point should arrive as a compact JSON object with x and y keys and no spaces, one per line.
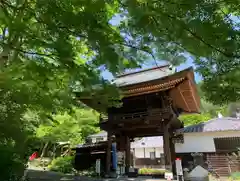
{"x":138,"y":115}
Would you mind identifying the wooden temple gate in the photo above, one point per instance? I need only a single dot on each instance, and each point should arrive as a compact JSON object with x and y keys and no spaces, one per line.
{"x":153,"y":100}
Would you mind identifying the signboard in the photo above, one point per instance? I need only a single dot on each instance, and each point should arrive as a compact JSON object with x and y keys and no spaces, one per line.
{"x":120,"y":158}
{"x":168,"y":175}
{"x":179,"y":169}
{"x":98,"y":166}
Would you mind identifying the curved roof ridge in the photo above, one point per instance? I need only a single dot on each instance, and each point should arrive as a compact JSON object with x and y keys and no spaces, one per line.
{"x":142,"y":70}
{"x":222,"y":119}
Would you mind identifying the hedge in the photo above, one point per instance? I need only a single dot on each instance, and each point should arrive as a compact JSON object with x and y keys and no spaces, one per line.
{"x":150,"y":171}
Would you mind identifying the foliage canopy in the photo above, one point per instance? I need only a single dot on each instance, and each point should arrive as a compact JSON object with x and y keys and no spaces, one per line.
{"x":65,"y":127}
{"x":78,"y":39}
{"x":207,"y":30}
{"x":51,"y":49}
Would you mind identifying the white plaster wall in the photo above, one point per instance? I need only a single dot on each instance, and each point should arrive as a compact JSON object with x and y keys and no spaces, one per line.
{"x":139,"y":152}
{"x":147,"y":153}
{"x":202,"y":142}
{"x":159,"y":152}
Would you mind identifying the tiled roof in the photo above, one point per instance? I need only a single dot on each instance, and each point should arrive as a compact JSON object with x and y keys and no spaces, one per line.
{"x":143,"y":76}
{"x":90,"y":145}
{"x":217,"y":124}
{"x":148,"y":142}
{"x":100,"y":134}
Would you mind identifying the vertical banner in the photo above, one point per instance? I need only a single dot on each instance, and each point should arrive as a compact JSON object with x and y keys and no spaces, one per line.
{"x":98,"y":166}
{"x":114,"y":156}
{"x":179,"y":169}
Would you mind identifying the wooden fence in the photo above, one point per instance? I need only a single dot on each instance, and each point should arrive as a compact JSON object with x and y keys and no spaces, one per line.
{"x":222,"y":165}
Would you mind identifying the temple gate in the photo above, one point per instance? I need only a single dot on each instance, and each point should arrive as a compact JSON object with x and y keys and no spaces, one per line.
{"x":153,"y":100}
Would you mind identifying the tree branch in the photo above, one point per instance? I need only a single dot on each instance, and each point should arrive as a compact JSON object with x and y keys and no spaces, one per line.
{"x":197,"y":36}
{"x":39,"y":20}
{"x":140,"y":49}
{"x":52,"y":56}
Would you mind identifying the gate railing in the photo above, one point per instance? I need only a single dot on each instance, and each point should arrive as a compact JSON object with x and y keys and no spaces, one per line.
{"x":137,"y":115}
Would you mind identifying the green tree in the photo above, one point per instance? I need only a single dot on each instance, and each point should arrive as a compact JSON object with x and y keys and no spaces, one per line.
{"x":207,"y":30}
{"x":66,"y":127}
{"x":208,"y":107}
{"x":48,"y":49}
{"x":192,"y":119}
{"x":73,"y":127}
{"x":213,"y":110}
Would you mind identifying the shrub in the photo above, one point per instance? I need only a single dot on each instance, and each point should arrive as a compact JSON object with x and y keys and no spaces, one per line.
{"x":40,"y":162}
{"x":150,"y":171}
{"x":62,"y":164}
{"x":235,"y":176}
{"x":12,"y":163}
{"x":89,"y":173}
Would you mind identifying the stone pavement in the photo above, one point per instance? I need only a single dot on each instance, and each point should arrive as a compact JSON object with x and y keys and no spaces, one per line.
{"x":40,"y":175}
{"x":135,"y":179}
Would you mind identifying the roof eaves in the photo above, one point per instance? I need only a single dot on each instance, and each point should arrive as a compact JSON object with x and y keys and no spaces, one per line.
{"x":200,"y":126}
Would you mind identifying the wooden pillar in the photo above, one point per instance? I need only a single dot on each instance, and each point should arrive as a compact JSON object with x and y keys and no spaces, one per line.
{"x":128,"y":153}
{"x":167,"y":150}
{"x":173,"y":153}
{"x":108,"y":153}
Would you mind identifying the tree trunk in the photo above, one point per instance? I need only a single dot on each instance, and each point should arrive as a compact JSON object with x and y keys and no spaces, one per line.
{"x":54,"y":150}
{"x":44,"y":149}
